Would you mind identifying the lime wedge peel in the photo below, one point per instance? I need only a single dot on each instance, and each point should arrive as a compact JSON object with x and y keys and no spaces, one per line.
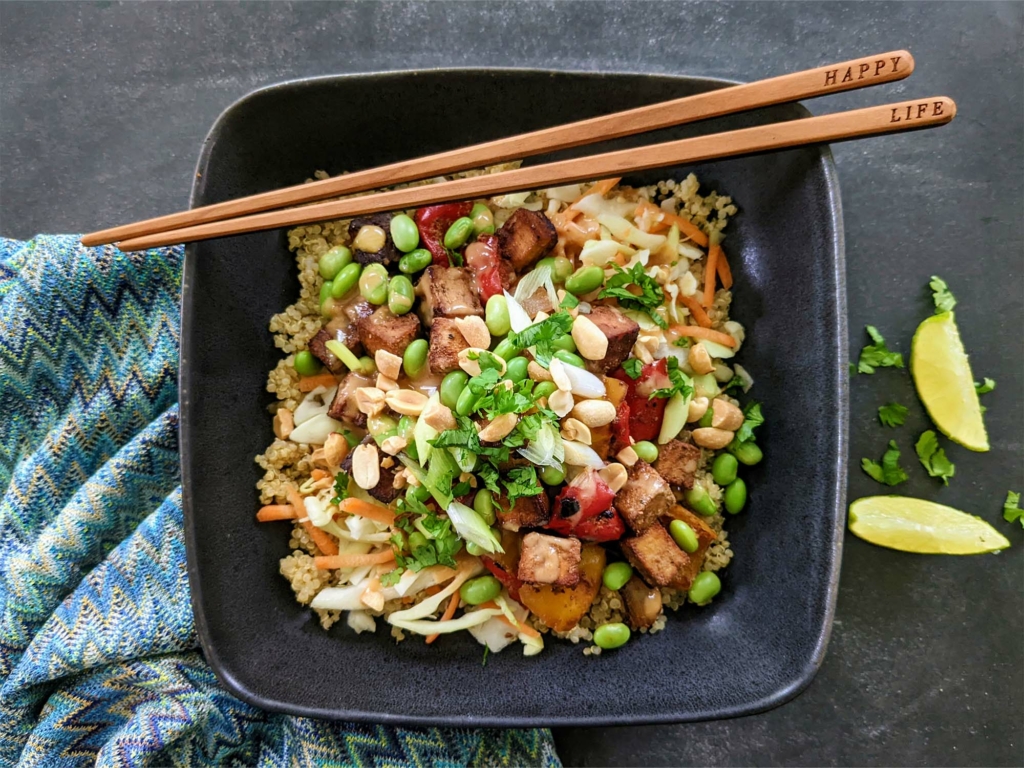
{"x":922,"y":527}
{"x":944,"y":382}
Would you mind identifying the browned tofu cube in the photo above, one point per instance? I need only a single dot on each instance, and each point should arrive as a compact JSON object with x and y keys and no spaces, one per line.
{"x":677,"y":462}
{"x":388,"y":253}
{"x":343,"y":407}
{"x":525,"y":237}
{"x":386,"y":330}
{"x":642,"y":603}
{"x":622,"y":333}
{"x":346,"y":334}
{"x":538,"y":302}
{"x":385,"y":490}
{"x":446,"y":341}
{"x":655,"y":555}
{"x":447,"y":292}
{"x":527,"y":512}
{"x":644,"y":498}
{"x":706,"y":536}
{"x":550,"y":560}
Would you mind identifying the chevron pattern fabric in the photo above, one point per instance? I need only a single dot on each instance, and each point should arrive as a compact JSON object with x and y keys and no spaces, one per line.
{"x":98,"y":652}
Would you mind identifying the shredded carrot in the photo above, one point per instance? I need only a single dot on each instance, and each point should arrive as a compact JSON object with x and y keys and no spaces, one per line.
{"x":686,"y":226}
{"x":696,"y":332}
{"x":323,"y":541}
{"x":431,"y":591}
{"x":696,"y":310}
{"x":309,"y":383}
{"x":276,"y":512}
{"x":319,"y":474}
{"x":724,"y":271}
{"x":353,"y":561}
{"x":710,"y":273}
{"x":519,"y":626}
{"x":602,"y":188}
{"x":365,"y":509}
{"x":453,"y":604}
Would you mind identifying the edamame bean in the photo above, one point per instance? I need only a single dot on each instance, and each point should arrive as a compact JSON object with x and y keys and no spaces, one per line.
{"x":458,"y":233}
{"x":367,"y":366}
{"x":475,"y":549}
{"x":413,"y":452}
{"x":564,"y":342}
{"x":480,"y":590}
{"x":346,"y":279}
{"x":414,"y":261}
{"x":417,"y":492}
{"x":544,"y":389}
{"x":305,"y":364}
{"x":569,"y":358}
{"x":517,"y":369}
{"x":416,"y":540}
{"x":684,"y":535}
{"x":451,"y":388}
{"x":333,"y":261}
{"x":404,"y":233}
{"x":483,"y":219}
{"x":467,"y":401}
{"x":325,"y":291}
{"x":747,"y":453}
{"x":560,"y":266}
{"x":700,"y":502}
{"x":406,"y":424}
{"x":414,"y":359}
{"x":611,"y":636}
{"x":646,"y":451}
{"x":616,"y":575}
{"x":484,"y":505}
{"x":735,"y":496}
{"x":497,"y":318}
{"x":704,"y":587}
{"x":584,"y":280}
{"x":551,"y":475}
{"x":705,"y":420}
{"x":380,"y":425}
{"x":724,"y":468}
{"x":373,"y":283}
{"x":400,"y":294}
{"x":506,"y":350}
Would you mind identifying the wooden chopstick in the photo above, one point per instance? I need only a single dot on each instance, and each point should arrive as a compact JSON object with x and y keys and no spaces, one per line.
{"x":858,"y":123}
{"x":832,"y":78}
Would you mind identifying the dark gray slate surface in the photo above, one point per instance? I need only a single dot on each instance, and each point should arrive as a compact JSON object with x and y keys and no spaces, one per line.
{"x":103,"y":107}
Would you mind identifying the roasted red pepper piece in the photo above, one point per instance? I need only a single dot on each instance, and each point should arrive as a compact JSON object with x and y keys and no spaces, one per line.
{"x":584,"y":509}
{"x":484,"y":259}
{"x":645,"y":412}
{"x":508,"y":580}
{"x":433,"y":221}
{"x":620,"y":428}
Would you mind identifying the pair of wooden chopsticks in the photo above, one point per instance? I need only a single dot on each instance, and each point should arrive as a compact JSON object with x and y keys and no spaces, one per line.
{"x":269,"y":210}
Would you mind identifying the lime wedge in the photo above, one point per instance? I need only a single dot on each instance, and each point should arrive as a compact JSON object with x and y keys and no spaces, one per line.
{"x":944,"y":382}
{"x":915,"y":525}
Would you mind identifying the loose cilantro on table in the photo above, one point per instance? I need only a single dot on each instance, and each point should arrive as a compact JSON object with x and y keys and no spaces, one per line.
{"x":934,"y":458}
{"x":943,"y":299}
{"x":541,"y":335}
{"x":892,"y":414}
{"x":1011,"y":508}
{"x":340,"y":487}
{"x":650,"y":297}
{"x":985,"y":387}
{"x":889,"y":472}
{"x":877,"y":355}
{"x":633,"y":367}
{"x":681,"y":383}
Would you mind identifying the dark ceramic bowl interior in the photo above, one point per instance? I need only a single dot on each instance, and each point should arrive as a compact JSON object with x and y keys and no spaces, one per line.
{"x":763,"y":638}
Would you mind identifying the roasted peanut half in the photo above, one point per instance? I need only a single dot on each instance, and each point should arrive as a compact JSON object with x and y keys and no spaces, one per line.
{"x":698,"y":407}
{"x":627,"y":456}
{"x":590,"y":340}
{"x":726,"y":415}
{"x":284,"y":423}
{"x":712,"y":438}
{"x":594,"y":413}
{"x":559,"y":376}
{"x":474,"y":331}
{"x":615,"y":475}
{"x":700,"y":360}
{"x":386,"y":384}
{"x":366,"y":466}
{"x":393,"y":445}
{"x":438,"y":416}
{"x":388,"y":364}
{"x":574,"y":429}
{"x":335,"y":449}
{"x":469,"y":360}
{"x":561,"y":402}
{"x":499,"y":427}
{"x":537,"y":372}
{"x":407,"y":402}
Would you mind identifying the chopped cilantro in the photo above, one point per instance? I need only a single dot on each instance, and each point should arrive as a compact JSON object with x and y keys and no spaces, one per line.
{"x":462,"y":489}
{"x":488,"y":475}
{"x":943,"y":299}
{"x":934,"y":458}
{"x":736,"y":382}
{"x":541,"y":335}
{"x":651,"y":296}
{"x":683,"y":341}
{"x":439,"y":550}
{"x":569,"y":302}
{"x":391,"y":578}
{"x":681,"y":383}
{"x":892,"y":414}
{"x":340,"y":487}
{"x":752,"y":418}
{"x":985,"y":387}
{"x":516,"y":399}
{"x":487,"y":650}
{"x":521,"y":481}
{"x":1011,"y":508}
{"x":877,"y":355}
{"x":633,"y":367}
{"x":889,"y":472}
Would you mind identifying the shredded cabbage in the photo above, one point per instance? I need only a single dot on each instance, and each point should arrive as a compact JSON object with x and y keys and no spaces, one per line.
{"x":719,"y":351}
{"x":315,"y":430}
{"x":745,"y":377}
{"x":465,"y":621}
{"x":361,"y":621}
{"x":340,"y":598}
{"x":538,"y":278}
{"x":316,"y":402}
{"x":428,"y":607}
{"x":494,"y":633}
{"x":597,"y":253}
{"x":623,"y":230}
{"x":565,"y":194}
{"x":472,"y":527}
{"x":518,"y":317}
{"x":596,"y":205}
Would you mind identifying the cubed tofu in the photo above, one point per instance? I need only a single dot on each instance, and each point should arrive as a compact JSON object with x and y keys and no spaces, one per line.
{"x":538,"y":302}
{"x":385,"y":490}
{"x":386,"y":330}
{"x":527,"y":512}
{"x":446,"y":341}
{"x":706,"y":536}
{"x":525,"y":237}
{"x":677,"y":462}
{"x":642,"y":603}
{"x":343,"y":407}
{"x":655,"y":555}
{"x":644,"y":498}
{"x":550,"y":560}
{"x":622,"y":333}
{"x":388,"y":254}
{"x":447,"y":292}
{"x":346,"y":334}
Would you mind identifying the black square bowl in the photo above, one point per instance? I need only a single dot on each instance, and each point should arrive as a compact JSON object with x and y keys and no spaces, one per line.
{"x":764,"y":637}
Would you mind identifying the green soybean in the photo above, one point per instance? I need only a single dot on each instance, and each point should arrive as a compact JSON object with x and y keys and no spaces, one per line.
{"x":406,"y":425}
{"x":475,"y":549}
{"x":517,"y":369}
{"x":483,"y":219}
{"x":380,"y":425}
{"x":467,"y":401}
{"x":414,"y":359}
{"x":416,"y":540}
{"x":700,"y":502}
{"x":705,"y":420}
{"x":616,"y":575}
{"x":544,"y":389}
{"x":404,"y":233}
{"x":367,"y":366}
{"x":552,"y":475}
{"x":684,"y":535}
{"x":373,"y":283}
{"x":560,"y":267}
{"x":346,"y":280}
{"x":305,"y":364}
{"x":325,"y":291}
{"x":458,"y":233}
{"x":569,"y":358}
{"x":747,"y":453}
{"x":333,"y":261}
{"x":735,"y":496}
{"x":724,"y":469}
{"x":417,"y":492}
{"x":611,"y":636}
{"x":451,"y":388}
{"x":646,"y":451}
{"x":704,"y":587}
{"x":584,"y":280}
{"x":484,"y":505}
{"x":400,"y":294}
{"x":506,"y":350}
{"x":414,"y":261}
{"x":480,"y":590}
{"x":564,"y":342}
{"x":497,"y":317}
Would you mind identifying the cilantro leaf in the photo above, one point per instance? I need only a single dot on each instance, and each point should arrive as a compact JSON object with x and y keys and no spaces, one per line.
{"x":943,"y":299}
{"x":681,"y":383}
{"x":340,"y":487}
{"x":487,"y":650}
{"x":461,"y":489}
{"x":736,"y":382}
{"x":892,"y":414}
{"x":889,"y":472}
{"x":391,"y":578}
{"x":633,"y":367}
{"x":569,"y":302}
{"x":540,"y":335}
{"x":877,"y":355}
{"x":520,"y":482}
{"x":934,"y":458}
{"x":1011,"y":508}
{"x":651,"y":295}
{"x":488,"y":475}
{"x":752,"y":418}
{"x":984,"y":388}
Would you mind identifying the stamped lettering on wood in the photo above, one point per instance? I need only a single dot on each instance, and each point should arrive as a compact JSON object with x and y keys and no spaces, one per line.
{"x":863,"y":70}
{"x":916,"y":111}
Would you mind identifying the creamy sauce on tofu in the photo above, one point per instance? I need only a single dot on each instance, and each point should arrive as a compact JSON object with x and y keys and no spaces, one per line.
{"x":545,"y":562}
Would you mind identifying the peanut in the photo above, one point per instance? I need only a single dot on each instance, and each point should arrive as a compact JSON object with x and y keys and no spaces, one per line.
{"x":474,"y":331}
{"x":335,"y":449}
{"x":438,"y":416}
{"x":558,"y":375}
{"x":590,"y":340}
{"x":407,"y":402}
{"x":700,"y":360}
{"x":370,"y":400}
{"x":385,"y":384}
{"x":712,"y":438}
{"x":574,"y":429}
{"x":698,"y":407}
{"x":537,"y":372}
{"x":726,"y":415}
{"x":393,"y":445}
{"x":388,"y":364}
{"x":594,"y":413}
{"x":499,"y":427}
{"x":366,"y":466}
{"x":615,"y":475}
{"x":284,"y":423}
{"x":560,"y":402}
{"x":469,"y":360}
{"x":627,"y":456}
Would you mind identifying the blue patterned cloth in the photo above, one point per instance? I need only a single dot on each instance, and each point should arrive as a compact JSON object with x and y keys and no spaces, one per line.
{"x":99,"y":660}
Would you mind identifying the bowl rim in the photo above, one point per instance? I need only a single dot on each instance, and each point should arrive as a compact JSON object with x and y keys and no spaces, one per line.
{"x":782,"y":694}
